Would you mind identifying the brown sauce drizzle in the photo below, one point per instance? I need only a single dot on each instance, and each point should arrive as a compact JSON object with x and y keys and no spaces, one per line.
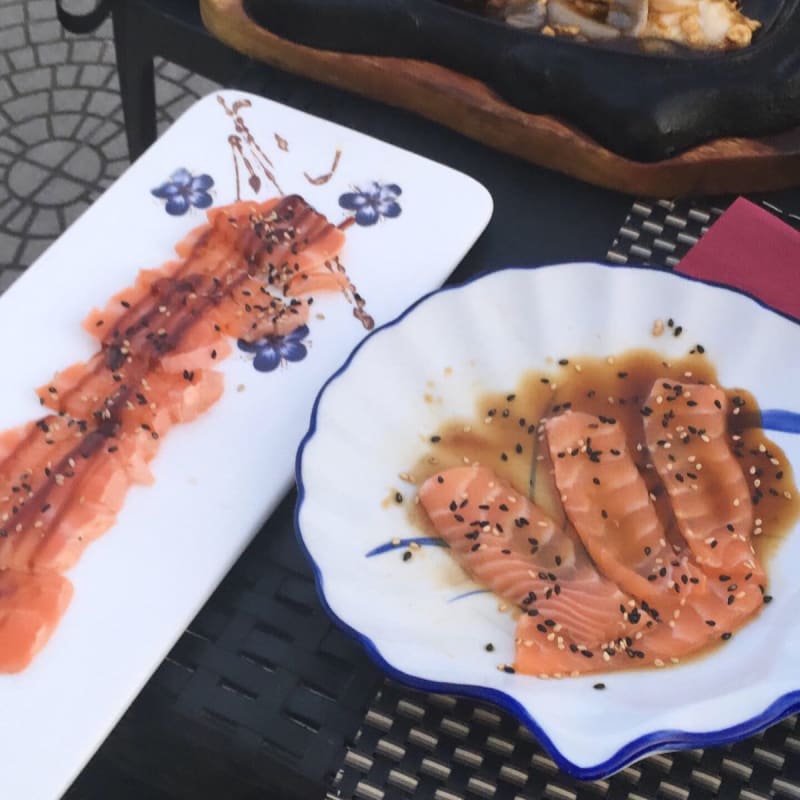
{"x":256,"y":152}
{"x":503,"y":434}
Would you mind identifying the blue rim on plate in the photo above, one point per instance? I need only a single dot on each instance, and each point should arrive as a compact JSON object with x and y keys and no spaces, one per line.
{"x":641,"y":747}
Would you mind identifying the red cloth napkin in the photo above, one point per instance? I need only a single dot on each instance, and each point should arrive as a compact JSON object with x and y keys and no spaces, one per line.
{"x":750,"y":249}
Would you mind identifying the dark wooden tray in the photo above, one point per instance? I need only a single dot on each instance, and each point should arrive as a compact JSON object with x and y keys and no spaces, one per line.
{"x":470,"y":106}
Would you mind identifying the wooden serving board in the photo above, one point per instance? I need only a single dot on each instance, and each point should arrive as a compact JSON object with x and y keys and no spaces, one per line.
{"x":721,"y":166}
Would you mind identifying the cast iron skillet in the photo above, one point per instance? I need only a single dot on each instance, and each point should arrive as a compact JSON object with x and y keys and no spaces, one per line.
{"x":646,"y":106}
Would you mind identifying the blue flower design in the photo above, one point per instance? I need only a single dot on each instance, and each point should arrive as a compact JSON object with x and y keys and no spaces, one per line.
{"x":378,"y":200}
{"x":184,"y":190}
{"x":272,"y":351}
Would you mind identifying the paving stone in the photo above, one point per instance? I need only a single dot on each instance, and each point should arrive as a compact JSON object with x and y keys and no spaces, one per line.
{"x":51,"y":154}
{"x":69,"y":99}
{"x":103,"y":103}
{"x":83,"y":165}
{"x":65,"y":124}
{"x":49,"y":31}
{"x":29,"y":105}
{"x":22,"y":58}
{"x":18,"y":222}
{"x":40,"y":9}
{"x":116,"y":147}
{"x":32,"y":80}
{"x":12,"y":37}
{"x":13,"y":15}
{"x":45,"y":223}
{"x":66,"y":75}
{"x":6,"y":91}
{"x":34,"y":130}
{"x":32,"y":249}
{"x":58,"y":190}
{"x":55,"y":53}
{"x":95,"y":75}
{"x":86,"y":51}
{"x":24,"y":178}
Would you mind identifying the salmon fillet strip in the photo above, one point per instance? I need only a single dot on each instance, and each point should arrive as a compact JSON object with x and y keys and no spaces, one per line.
{"x":246,"y":273}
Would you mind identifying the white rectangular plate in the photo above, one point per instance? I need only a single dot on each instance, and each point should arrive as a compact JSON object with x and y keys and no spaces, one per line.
{"x":219,"y":478}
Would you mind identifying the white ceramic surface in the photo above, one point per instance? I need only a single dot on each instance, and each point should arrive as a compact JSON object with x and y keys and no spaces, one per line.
{"x":489,"y":332}
{"x":217,"y":479}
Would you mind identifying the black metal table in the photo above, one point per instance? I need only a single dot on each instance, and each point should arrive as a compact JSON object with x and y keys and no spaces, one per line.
{"x":262,"y":697}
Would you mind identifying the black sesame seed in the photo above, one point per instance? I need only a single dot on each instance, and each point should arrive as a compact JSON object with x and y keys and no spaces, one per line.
{"x":563,"y":362}
{"x":599,"y":686}
{"x":436,"y":439}
{"x":398,"y":498}
{"x":509,"y":670}
{"x":406,"y":555}
{"x":604,"y":514}
{"x":726,"y":636}
{"x":503,"y":457}
{"x":489,"y":648}
{"x":767,"y":598}
{"x":439,"y":479}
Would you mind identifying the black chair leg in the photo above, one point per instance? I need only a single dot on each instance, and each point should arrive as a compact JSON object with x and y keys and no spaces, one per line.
{"x":136,"y":79}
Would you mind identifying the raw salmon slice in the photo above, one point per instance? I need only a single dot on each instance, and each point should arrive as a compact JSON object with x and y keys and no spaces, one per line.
{"x":150,"y":399}
{"x":30,"y":608}
{"x":509,"y":545}
{"x":606,"y":499}
{"x":55,"y":498}
{"x":686,"y":434}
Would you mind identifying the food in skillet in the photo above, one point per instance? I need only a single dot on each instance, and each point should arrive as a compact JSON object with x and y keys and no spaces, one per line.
{"x":700,"y":24}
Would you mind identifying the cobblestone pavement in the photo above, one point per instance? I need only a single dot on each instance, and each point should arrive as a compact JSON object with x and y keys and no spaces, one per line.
{"x":62,"y":133}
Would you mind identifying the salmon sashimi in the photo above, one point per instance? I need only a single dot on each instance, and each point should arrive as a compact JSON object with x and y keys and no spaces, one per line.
{"x":686,"y":435}
{"x":41,"y":526}
{"x":31,"y":607}
{"x":153,"y":400}
{"x":508,"y":544}
{"x":246,"y":273}
{"x":606,"y":499}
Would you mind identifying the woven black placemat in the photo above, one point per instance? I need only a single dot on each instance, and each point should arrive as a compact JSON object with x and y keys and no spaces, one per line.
{"x":413,"y":745}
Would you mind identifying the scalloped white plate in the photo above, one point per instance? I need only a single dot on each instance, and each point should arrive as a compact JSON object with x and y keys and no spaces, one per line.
{"x":368,"y":425}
